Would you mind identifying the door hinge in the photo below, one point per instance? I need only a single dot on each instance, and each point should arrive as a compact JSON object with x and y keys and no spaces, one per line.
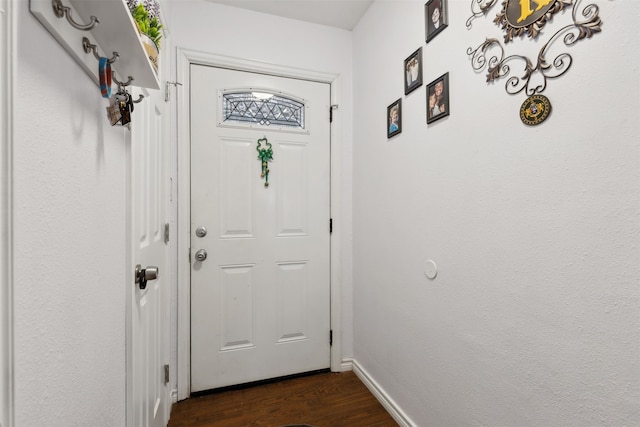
{"x":331,"y":108}
{"x":166,"y":233}
{"x":189,"y":255}
{"x":330,"y":225}
{"x":166,"y":374}
{"x":330,"y":115}
{"x":330,"y":337}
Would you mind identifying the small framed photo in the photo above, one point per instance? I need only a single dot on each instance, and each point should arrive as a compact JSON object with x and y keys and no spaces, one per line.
{"x":435,"y":16}
{"x":394,"y":118}
{"x":413,"y":71}
{"x":438,"y":98}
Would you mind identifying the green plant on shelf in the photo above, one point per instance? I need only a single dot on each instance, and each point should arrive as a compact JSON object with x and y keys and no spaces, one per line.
{"x":147,"y":23}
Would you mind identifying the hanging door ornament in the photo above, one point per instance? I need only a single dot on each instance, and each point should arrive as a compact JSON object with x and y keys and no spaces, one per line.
{"x":520,"y":17}
{"x":265,"y":155}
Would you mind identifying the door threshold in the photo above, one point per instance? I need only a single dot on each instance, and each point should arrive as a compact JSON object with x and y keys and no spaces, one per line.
{"x":258,"y":383}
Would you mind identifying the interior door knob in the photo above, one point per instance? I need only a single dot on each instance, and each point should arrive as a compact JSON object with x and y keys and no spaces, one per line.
{"x":145,"y":274}
{"x":151,"y":273}
{"x":201,"y":255}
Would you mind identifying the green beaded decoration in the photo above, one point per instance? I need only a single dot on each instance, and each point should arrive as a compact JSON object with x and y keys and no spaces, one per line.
{"x":265,"y":155}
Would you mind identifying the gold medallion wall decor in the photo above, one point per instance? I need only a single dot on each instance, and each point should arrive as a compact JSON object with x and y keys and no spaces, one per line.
{"x":535,"y":109}
{"x":520,"y":17}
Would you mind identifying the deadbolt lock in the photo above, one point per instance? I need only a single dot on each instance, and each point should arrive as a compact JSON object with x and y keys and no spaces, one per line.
{"x":201,"y":231}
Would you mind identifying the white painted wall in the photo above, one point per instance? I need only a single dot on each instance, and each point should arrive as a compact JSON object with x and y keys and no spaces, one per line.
{"x":70,"y":249}
{"x":222,"y":30}
{"x":533,"y":317}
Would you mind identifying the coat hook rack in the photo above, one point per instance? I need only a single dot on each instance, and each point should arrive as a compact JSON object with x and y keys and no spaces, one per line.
{"x":60,"y":10}
{"x":122,"y":85}
{"x":125,"y":84}
{"x":88,"y":47}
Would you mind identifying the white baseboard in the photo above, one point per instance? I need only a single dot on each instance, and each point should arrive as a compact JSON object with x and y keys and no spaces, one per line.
{"x":387,"y":402}
{"x":346,"y":365}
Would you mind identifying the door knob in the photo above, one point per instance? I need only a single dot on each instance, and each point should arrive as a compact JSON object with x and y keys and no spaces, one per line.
{"x":145,"y":274}
{"x":201,"y":255}
{"x":151,"y":273}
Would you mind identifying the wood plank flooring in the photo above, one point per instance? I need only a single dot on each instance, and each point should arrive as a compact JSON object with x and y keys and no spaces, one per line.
{"x":321,"y":400}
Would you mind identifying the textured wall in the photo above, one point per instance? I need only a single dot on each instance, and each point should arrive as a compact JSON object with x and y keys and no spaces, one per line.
{"x":70,"y":171}
{"x":533,"y":317}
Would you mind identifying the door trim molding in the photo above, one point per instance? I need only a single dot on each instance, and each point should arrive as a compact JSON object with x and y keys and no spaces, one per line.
{"x":184,"y":59}
{"x":8,"y":60}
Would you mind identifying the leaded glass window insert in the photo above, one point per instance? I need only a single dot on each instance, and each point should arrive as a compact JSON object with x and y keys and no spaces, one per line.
{"x":262,"y":108}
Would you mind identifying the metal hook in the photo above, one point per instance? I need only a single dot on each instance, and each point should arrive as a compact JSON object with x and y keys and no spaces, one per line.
{"x":59,"y":10}
{"x":127,"y":83}
{"x":140,"y":98}
{"x":88,"y":47}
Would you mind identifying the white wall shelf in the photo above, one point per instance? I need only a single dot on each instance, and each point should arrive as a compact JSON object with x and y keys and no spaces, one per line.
{"x":116,"y":32}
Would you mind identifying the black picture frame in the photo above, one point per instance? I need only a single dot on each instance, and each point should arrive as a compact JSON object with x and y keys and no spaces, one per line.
{"x":438,"y":105}
{"x":394,"y":118}
{"x":433,"y":27}
{"x":413,"y":71}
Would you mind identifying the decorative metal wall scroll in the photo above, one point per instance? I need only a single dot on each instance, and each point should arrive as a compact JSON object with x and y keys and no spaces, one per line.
{"x":479,"y":8}
{"x":265,"y":155}
{"x":520,"y":17}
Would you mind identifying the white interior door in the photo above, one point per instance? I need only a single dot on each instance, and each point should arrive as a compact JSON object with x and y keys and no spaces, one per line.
{"x":260,"y":301}
{"x":150,"y":306}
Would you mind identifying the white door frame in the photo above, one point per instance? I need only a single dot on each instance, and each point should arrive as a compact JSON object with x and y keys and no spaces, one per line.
{"x":8,"y":60}
{"x":184,"y":59}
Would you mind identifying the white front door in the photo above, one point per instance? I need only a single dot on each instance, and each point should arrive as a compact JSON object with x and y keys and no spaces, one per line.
{"x":150,"y":304}
{"x":260,"y":301}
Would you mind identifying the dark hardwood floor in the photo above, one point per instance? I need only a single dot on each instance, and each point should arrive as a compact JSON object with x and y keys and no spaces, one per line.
{"x":321,"y":400}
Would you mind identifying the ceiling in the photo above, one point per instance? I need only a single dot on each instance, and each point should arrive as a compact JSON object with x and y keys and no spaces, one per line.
{"x":343,"y":14}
